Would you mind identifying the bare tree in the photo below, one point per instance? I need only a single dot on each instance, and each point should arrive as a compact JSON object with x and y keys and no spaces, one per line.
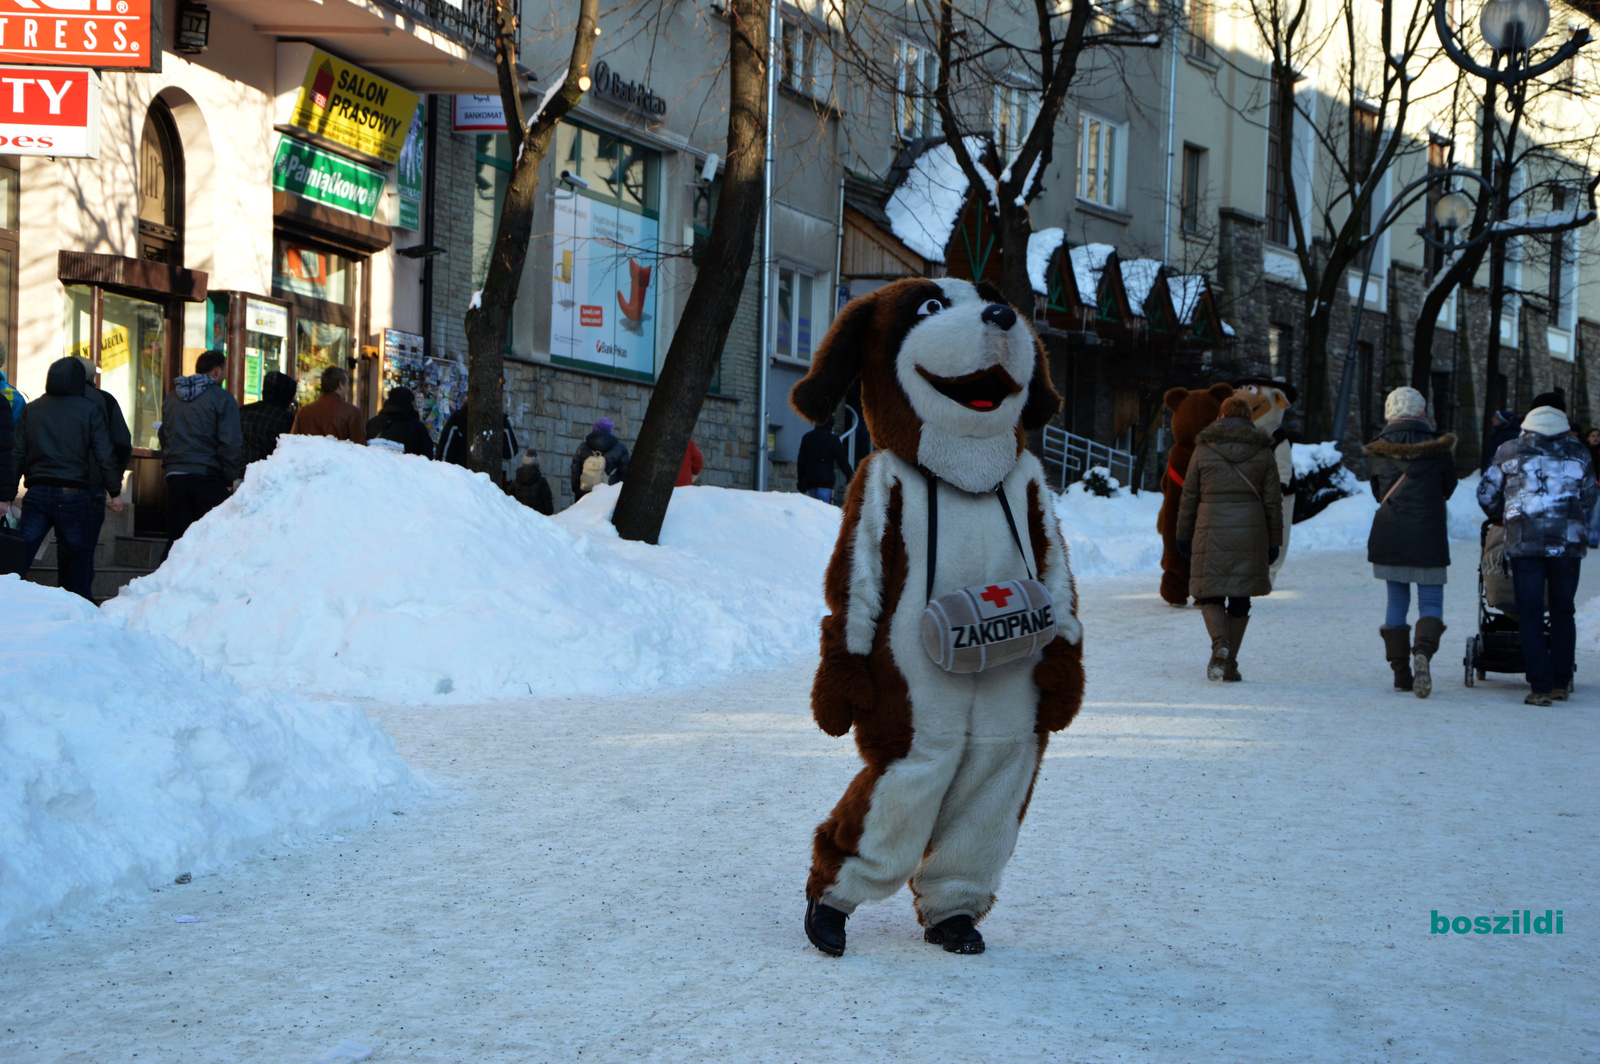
{"x":713,"y":301}
{"x":490,"y":317}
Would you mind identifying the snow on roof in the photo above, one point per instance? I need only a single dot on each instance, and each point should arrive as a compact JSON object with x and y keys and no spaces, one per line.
{"x":1548,"y":220}
{"x":1087,"y":263}
{"x":1138,"y":277}
{"x":923,"y":211}
{"x":1186,"y":292}
{"x":1041,"y":247}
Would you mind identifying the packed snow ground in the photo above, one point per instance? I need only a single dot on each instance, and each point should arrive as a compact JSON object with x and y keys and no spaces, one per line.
{"x":1207,"y":873}
{"x":124,"y":761}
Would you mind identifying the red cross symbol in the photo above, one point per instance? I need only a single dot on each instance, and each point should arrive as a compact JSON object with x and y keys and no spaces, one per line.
{"x":997,"y":595}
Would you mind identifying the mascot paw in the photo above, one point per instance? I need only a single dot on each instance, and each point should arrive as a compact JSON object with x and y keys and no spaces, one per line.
{"x":842,"y":689}
{"x":1059,"y":677}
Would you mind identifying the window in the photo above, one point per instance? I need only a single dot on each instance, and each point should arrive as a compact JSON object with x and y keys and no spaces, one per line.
{"x":130,"y":349}
{"x":1438,"y":161}
{"x":321,"y":287}
{"x":1563,"y":269}
{"x":1363,"y":153}
{"x":1365,"y":386}
{"x":916,"y":74}
{"x":806,"y":64}
{"x":493,"y":160}
{"x":1193,"y":160}
{"x":160,"y":189}
{"x":1277,"y":171}
{"x":1200,"y":29}
{"x":1100,"y":144}
{"x":1013,"y":118}
{"x":795,"y":314}
{"x":1444,"y":407}
{"x":1278,"y":340}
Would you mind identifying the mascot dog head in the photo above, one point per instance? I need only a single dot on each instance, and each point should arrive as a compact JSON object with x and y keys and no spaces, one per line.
{"x":952,"y":378}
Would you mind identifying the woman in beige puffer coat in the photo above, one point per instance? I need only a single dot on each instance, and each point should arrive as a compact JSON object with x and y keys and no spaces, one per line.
{"x":1230,"y":524}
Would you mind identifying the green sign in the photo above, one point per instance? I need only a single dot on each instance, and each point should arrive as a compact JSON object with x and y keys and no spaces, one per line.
{"x":325,"y":178}
{"x":408,"y":174}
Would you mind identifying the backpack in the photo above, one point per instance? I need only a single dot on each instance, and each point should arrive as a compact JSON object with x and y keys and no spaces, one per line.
{"x":594,"y":472}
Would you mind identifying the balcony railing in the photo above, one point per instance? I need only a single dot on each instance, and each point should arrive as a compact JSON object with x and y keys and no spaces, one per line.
{"x":468,"y":22}
{"x":1074,"y":456}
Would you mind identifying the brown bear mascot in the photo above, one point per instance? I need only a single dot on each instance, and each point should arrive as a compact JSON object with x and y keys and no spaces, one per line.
{"x":949,"y":518}
{"x":1191,"y":412}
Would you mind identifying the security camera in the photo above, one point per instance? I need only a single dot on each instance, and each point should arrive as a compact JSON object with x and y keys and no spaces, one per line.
{"x":572,"y":180}
{"x":708,"y":172}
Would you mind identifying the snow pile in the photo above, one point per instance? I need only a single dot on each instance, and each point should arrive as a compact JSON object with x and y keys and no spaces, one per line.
{"x":1110,"y":536}
{"x":1138,"y":278}
{"x":1088,"y":261}
{"x":923,"y":211}
{"x":125,"y":762}
{"x":1042,"y":248}
{"x":358,"y":573}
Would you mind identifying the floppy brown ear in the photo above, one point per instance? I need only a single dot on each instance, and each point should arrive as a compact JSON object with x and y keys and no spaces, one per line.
{"x":1221,"y":392}
{"x":1043,"y":399}
{"x":1175,"y":397}
{"x":836,"y":364}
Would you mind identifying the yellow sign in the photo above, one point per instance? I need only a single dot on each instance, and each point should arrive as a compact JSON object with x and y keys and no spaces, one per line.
{"x":113,"y":348}
{"x":354,"y":108}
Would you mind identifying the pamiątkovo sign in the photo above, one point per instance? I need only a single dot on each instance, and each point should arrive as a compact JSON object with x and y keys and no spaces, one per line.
{"x":52,"y":112}
{"x":104,"y":34}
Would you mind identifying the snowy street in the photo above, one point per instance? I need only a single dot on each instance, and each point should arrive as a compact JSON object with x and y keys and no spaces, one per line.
{"x":1208,"y":872}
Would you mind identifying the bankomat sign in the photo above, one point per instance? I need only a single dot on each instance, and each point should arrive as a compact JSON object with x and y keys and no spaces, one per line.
{"x":49,"y":112}
{"x":104,"y":34}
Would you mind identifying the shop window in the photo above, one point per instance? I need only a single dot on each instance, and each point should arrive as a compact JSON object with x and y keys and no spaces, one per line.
{"x":129,"y":346}
{"x":795,"y":314}
{"x":606,"y":253}
{"x":160,"y":189}
{"x":320,"y":287}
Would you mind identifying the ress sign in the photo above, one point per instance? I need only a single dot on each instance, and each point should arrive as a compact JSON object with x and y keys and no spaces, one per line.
{"x":104,"y":34}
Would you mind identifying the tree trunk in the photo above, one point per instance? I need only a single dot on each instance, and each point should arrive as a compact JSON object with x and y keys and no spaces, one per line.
{"x":489,"y":322}
{"x":1015,"y":228}
{"x":1317,"y":420}
{"x":714,"y":300}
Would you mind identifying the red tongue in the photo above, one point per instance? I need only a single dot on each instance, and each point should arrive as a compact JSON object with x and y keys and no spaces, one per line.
{"x":980,"y":404}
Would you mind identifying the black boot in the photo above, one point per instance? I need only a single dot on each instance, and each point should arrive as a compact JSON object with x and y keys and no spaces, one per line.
{"x":825,"y":927}
{"x":1429,"y":631}
{"x":956,"y":935}
{"x":1397,"y":648}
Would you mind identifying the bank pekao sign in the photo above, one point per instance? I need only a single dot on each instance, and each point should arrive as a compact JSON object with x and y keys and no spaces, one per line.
{"x":103,"y":34}
{"x":634,"y":95}
{"x":51,"y":112}
{"x":326,"y":178}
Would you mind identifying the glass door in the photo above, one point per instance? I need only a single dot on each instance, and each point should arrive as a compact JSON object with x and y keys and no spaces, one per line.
{"x":320,"y":287}
{"x":265,"y":332}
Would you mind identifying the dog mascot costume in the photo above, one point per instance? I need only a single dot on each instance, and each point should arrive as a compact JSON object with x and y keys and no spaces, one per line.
{"x":951,"y":715}
{"x":1270,"y":399}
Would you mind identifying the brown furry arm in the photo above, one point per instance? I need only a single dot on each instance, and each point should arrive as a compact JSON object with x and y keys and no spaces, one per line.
{"x":1060,"y":679}
{"x":842,"y":687}
{"x":1059,"y":673}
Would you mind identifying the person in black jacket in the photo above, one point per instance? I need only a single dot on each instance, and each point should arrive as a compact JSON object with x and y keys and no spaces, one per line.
{"x":820,"y":453}
{"x":262,"y":422}
{"x":530,"y":487}
{"x":453,"y":447}
{"x":399,"y":422}
{"x":63,"y":448}
{"x":1413,"y":470}
{"x":602,"y":441}
{"x":1505,"y":426}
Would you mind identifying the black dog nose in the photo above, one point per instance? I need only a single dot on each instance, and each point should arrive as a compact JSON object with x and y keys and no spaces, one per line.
{"x":1000,"y":314}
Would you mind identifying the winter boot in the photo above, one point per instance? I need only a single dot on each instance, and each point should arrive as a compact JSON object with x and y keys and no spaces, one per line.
{"x":1429,"y":629}
{"x":825,"y":927}
{"x":956,"y":935}
{"x":1397,"y":648}
{"x":1217,"y":626}
{"x":1236,"y":627}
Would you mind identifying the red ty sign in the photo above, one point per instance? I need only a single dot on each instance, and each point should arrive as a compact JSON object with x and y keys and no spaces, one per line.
{"x":94,"y":33}
{"x":49,"y":112}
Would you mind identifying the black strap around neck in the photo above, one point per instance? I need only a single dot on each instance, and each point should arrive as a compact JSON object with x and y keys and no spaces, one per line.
{"x":933,"y":527}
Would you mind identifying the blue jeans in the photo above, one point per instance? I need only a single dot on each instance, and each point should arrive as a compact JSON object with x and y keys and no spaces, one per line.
{"x":1548,"y":666}
{"x":825,"y":494}
{"x":1430,"y":602}
{"x":72,"y":514}
{"x":1594,"y":525}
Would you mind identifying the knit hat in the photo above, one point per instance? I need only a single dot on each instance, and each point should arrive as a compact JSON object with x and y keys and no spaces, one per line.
{"x":529,"y":457}
{"x":1403,"y":403}
{"x":1555,"y":399}
{"x":604,"y":424}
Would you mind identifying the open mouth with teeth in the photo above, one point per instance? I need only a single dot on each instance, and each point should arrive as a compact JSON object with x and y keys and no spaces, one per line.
{"x":983,"y":391}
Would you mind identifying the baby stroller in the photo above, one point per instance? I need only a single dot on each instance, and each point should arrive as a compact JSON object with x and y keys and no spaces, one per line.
{"x":1497,"y":646}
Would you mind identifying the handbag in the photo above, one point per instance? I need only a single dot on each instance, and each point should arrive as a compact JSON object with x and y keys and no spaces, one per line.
{"x":979,"y":627}
{"x":13,"y":551}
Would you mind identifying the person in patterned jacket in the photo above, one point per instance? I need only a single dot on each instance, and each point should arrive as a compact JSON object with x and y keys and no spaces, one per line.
{"x":1540,"y":486}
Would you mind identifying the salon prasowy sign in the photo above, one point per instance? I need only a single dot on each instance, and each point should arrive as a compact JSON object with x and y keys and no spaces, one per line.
{"x":326,"y":178}
{"x":105,"y":34}
{"x":353,"y":108}
{"x":52,"y":112}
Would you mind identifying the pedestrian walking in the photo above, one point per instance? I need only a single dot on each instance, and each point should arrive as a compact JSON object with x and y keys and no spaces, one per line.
{"x":332,"y":413}
{"x":263,"y":421}
{"x":1230,"y":527}
{"x":600,"y":459}
{"x":1413,"y":473}
{"x":1541,"y":486}
{"x":820,"y":453}
{"x":529,"y":486}
{"x":116,"y":426}
{"x":62,"y":448}
{"x":693,"y":462}
{"x":202,"y":445}
{"x":1502,"y":429}
{"x":454,"y":448}
{"x":399,"y":421}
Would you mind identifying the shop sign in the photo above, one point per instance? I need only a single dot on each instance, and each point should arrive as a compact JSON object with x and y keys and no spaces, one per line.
{"x":49,"y":112}
{"x":479,"y":114}
{"x":266,"y":318}
{"x":353,"y":108}
{"x":408,"y":174}
{"x":325,"y":178}
{"x":634,"y":95}
{"x":103,"y":34}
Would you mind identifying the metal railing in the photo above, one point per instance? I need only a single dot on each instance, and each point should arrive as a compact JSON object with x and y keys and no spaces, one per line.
{"x":469,"y":22}
{"x":1074,"y":456}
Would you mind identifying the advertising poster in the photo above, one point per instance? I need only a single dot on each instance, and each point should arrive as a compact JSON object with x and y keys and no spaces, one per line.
{"x":408,"y":174}
{"x":439,"y":384}
{"x":354,"y":108}
{"x":603,"y":298}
